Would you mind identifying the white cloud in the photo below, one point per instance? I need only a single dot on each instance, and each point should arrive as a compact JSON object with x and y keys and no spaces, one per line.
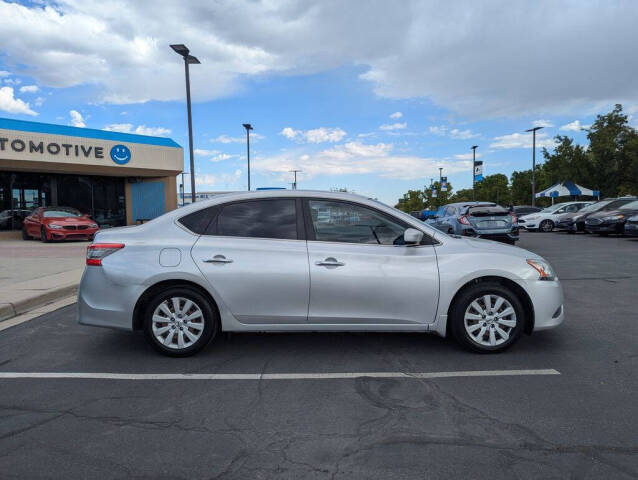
{"x":152,"y":131}
{"x":139,"y":130}
{"x":12,"y":81}
{"x":205,"y":153}
{"x":542,"y":123}
{"x":8,"y":103}
{"x":4,"y":73}
{"x":223,"y":156}
{"x":393,"y":126}
{"x":76,"y":119}
{"x":467,"y":156}
{"x":396,"y":115}
{"x":316,"y":135}
{"x":39,"y":101}
{"x":356,"y":158}
{"x":29,"y":89}
{"x":121,"y":46}
{"x":455,"y":133}
{"x":241,"y":139}
{"x":522,"y":140}
{"x":225,"y":180}
{"x":574,"y":126}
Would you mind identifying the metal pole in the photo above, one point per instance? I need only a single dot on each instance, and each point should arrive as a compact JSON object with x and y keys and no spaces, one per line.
{"x":190,"y":129}
{"x":473,"y":176}
{"x":248,"y":154}
{"x":533,"y":168}
{"x":183,"y":189}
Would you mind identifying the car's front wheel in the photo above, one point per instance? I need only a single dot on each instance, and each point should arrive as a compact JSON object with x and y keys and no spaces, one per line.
{"x":487,"y":318}
{"x":43,"y":235}
{"x":25,"y":234}
{"x":180,"y":322}
{"x":546,"y":226}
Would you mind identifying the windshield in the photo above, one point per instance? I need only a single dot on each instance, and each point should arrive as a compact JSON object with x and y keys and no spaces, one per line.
{"x":595,"y":206}
{"x":67,"y":212}
{"x":630,"y":206}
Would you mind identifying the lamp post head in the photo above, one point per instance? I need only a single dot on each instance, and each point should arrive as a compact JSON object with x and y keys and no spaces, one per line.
{"x":181,"y":49}
{"x":192,"y":60}
{"x":474,"y":147}
{"x":247,"y":126}
{"x":534,"y":129}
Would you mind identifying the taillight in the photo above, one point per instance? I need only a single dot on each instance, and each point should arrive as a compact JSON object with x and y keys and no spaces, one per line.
{"x":514,"y":217}
{"x":97,"y":251}
{"x":463,"y":219}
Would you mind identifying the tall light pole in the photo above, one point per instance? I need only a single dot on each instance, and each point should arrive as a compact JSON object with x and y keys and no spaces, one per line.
{"x":533,"y":130}
{"x":248,"y":128}
{"x":474,"y":147}
{"x":188,"y":60}
{"x":294,"y":185}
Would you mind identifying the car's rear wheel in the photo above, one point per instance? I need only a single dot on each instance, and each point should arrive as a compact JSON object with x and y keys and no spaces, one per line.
{"x":43,"y":235}
{"x":487,"y":318}
{"x":546,"y":226}
{"x":180,"y":322}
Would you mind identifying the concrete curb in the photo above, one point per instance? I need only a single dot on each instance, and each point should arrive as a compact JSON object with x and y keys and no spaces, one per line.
{"x":12,"y":309}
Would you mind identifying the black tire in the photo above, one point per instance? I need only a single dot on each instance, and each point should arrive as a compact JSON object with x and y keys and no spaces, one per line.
{"x":25,"y":235}
{"x":546,"y":226}
{"x":43,"y":236}
{"x":211,"y":320}
{"x":509,"y":241}
{"x":571,"y":232}
{"x":462,"y":303}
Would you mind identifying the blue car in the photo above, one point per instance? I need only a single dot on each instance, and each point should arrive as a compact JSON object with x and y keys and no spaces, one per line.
{"x":477,"y":219}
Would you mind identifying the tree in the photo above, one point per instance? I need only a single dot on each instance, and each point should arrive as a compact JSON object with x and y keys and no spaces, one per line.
{"x":431,"y":202}
{"x":567,"y":162}
{"x":521,"y":189}
{"x":412,"y":201}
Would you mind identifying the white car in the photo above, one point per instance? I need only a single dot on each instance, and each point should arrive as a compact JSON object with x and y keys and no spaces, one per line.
{"x":310,"y":261}
{"x":546,"y":219}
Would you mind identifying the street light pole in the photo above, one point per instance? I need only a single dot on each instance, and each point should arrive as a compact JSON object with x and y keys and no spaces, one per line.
{"x":248,"y":128}
{"x":188,"y":60}
{"x":474,"y":147}
{"x":294,"y":185}
{"x":533,"y":130}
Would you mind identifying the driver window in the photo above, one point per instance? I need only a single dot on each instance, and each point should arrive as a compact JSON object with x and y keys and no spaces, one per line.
{"x":345,"y":222}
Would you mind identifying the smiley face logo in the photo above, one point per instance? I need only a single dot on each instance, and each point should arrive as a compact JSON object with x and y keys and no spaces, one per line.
{"x":120,"y":154}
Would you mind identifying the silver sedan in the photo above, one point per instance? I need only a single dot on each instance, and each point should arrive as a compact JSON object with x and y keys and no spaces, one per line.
{"x":310,"y":261}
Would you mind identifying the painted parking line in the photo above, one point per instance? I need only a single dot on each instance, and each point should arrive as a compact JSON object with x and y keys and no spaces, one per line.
{"x":269,"y":376}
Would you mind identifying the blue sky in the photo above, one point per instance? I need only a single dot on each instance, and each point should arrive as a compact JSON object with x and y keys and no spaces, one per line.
{"x":377,"y":116}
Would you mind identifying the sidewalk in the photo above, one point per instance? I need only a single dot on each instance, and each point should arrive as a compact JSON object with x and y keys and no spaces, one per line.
{"x":33,"y":273}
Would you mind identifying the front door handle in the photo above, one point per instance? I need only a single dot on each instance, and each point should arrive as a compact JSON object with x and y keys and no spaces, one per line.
{"x":218,"y":259}
{"x":329,"y":262}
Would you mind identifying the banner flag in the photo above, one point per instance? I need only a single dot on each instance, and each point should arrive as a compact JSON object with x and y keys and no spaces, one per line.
{"x":444,"y":184}
{"x":433,"y":192}
{"x":478,"y":171}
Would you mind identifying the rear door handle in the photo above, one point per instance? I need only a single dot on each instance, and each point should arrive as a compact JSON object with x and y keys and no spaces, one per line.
{"x":329,"y":262}
{"x":218,"y":259}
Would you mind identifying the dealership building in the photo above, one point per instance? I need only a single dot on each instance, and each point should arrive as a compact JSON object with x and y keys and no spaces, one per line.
{"x":116,"y":178}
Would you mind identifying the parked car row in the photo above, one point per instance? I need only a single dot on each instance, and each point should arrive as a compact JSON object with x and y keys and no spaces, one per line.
{"x":477,"y":219}
{"x":611,"y":215}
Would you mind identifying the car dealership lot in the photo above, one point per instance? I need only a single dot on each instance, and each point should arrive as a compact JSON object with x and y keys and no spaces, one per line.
{"x":579,"y":423}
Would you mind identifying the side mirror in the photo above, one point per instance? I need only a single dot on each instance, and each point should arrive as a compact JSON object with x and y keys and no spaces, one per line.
{"x":412,"y":236}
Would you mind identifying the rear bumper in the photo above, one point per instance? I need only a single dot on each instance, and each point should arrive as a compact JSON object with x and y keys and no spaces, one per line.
{"x":509,"y":235}
{"x":103,"y":303}
{"x":631,"y":229}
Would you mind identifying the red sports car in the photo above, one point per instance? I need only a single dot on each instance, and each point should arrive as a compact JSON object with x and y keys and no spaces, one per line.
{"x":58,"y":223}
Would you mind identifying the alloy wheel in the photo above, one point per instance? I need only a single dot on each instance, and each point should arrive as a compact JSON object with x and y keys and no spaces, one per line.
{"x":489,"y":320}
{"x":177,"y":323}
{"x":546,"y":226}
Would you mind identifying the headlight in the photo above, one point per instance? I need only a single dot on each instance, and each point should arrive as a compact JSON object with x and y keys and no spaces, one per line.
{"x":93,"y":225}
{"x":612,"y":218}
{"x":53,"y":226}
{"x":543,"y":268}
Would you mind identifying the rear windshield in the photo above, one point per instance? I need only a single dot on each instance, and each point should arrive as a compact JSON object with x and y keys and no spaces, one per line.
{"x":487,"y":211}
{"x":67,"y":212}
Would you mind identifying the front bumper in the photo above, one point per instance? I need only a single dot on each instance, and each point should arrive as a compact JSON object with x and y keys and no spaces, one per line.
{"x":547,"y":299}
{"x":606,"y":227}
{"x":66,"y":234}
{"x":631,"y":228}
{"x":528,"y":224}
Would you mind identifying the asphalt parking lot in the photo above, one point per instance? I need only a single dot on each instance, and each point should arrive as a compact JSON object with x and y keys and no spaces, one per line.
{"x":580,"y":423}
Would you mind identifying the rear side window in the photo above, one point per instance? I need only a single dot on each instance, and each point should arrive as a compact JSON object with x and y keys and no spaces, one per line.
{"x":259,"y":219}
{"x":197,"y":222}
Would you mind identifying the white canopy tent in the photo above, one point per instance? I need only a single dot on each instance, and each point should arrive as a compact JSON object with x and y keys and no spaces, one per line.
{"x":566,"y":189}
